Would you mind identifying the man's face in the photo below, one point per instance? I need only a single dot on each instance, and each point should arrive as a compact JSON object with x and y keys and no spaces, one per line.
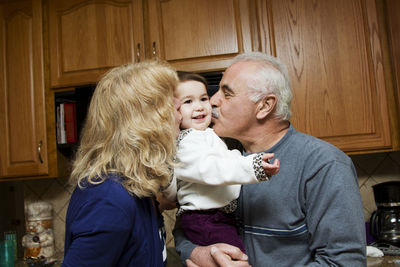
{"x":236,"y":112}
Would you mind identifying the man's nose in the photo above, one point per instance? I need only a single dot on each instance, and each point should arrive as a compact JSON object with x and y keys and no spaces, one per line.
{"x":214,"y":101}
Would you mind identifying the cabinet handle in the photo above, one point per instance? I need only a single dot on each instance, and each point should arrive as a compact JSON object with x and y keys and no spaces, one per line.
{"x":154,"y":49}
{"x":39,"y":151}
{"x":138,"y":52}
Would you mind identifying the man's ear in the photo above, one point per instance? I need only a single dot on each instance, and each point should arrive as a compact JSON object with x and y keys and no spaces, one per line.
{"x":266,"y":106}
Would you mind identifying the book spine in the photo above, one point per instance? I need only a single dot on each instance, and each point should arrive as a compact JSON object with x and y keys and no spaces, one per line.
{"x":58,"y":126}
{"x":70,"y":122}
{"x":62,"y":125}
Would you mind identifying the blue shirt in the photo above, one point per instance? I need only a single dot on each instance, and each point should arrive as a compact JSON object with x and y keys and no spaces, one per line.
{"x":106,"y":226}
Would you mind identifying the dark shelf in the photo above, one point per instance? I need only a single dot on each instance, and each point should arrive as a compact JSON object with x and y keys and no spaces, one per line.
{"x":81,"y":96}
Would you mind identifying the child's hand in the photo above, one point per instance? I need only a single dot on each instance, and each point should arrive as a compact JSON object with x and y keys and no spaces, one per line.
{"x":270,"y":169}
{"x":164,"y":203}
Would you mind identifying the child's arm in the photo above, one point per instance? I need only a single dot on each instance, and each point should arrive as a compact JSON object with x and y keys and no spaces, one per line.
{"x":205,"y":159}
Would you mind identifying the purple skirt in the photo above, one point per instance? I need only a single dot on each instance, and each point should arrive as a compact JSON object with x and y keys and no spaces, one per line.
{"x":208,"y":227}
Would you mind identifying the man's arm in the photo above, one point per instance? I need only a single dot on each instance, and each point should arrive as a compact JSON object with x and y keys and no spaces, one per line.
{"x":182,"y":245}
{"x":335,"y":216}
{"x":225,"y":255}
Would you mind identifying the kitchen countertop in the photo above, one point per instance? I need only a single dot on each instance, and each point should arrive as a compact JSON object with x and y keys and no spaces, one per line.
{"x":385,"y":261}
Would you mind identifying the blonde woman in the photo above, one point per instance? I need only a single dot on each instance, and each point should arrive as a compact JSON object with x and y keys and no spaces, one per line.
{"x":125,"y":156}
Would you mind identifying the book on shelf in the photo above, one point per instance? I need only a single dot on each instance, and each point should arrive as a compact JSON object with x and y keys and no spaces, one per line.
{"x":58,"y":126}
{"x":63,"y":139}
{"x":70,"y":122}
{"x":66,"y":123}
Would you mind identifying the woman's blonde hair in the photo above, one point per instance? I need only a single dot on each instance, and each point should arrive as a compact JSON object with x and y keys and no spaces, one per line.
{"x":129,"y":129}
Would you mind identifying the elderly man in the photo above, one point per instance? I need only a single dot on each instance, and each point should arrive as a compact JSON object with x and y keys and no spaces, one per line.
{"x":310,"y":213}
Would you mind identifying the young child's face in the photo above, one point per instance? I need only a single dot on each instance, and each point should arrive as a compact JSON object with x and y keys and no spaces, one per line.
{"x":195,"y":105}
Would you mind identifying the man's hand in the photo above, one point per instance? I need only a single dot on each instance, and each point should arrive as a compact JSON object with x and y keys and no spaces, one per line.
{"x":217,"y":255}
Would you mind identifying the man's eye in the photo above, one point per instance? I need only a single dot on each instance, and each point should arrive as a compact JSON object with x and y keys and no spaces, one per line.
{"x":227,"y":94}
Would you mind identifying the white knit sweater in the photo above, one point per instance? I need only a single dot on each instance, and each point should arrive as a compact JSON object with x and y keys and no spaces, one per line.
{"x":209,"y":175}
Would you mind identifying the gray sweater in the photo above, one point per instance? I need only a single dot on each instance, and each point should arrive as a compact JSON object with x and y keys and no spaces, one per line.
{"x":309,"y":214}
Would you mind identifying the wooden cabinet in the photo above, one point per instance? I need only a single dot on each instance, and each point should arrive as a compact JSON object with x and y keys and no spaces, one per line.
{"x":337,"y":53}
{"x":87,"y":38}
{"x":393,"y":21}
{"x":334,"y":53}
{"x":23,"y":151}
{"x":199,"y":35}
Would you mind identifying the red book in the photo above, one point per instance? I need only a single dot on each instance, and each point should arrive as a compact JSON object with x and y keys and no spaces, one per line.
{"x":70,"y":122}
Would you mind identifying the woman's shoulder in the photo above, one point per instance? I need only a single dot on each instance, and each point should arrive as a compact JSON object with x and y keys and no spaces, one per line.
{"x":104,"y":204}
{"x":109,"y":192}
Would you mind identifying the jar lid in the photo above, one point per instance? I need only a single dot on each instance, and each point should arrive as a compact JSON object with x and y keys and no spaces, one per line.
{"x":39,"y":211}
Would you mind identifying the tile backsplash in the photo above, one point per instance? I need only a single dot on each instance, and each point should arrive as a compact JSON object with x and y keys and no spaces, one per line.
{"x":371,"y":169}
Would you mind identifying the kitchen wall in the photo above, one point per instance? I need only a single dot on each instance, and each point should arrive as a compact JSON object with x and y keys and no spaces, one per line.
{"x":372,"y":169}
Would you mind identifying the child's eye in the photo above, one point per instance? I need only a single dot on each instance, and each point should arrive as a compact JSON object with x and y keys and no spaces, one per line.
{"x":188,"y":101}
{"x":204,"y":98}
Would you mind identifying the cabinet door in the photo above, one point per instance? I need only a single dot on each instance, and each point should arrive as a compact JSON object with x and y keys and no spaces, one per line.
{"x":199,"y":35}
{"x":334,"y":55}
{"x":22,"y":111}
{"x":89,"y":37}
{"x":393,"y":19}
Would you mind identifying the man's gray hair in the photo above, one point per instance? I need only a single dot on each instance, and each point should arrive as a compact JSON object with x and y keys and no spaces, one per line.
{"x":271,"y":78}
